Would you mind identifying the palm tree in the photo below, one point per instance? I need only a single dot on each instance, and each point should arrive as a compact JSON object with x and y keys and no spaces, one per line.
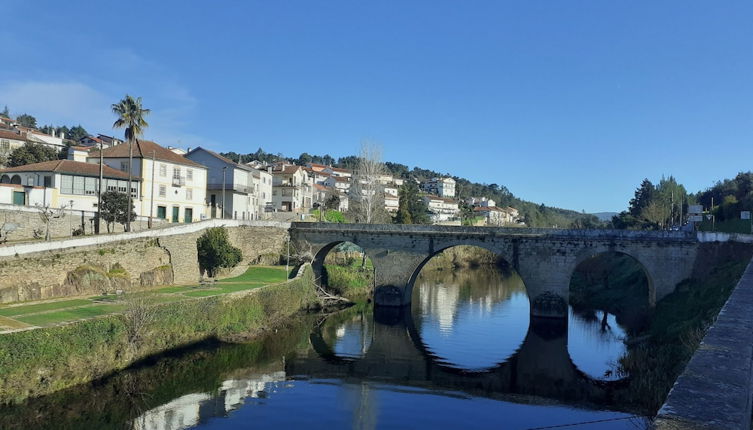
{"x":131,"y":117}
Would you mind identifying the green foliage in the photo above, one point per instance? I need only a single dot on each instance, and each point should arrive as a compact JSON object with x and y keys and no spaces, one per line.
{"x":131,"y":116}
{"x":655,"y":207}
{"x":330,"y":215}
{"x":215,"y":251}
{"x":332,"y":203}
{"x":349,"y":281}
{"x":36,"y":362}
{"x":731,"y":195}
{"x":115,"y":208}
{"x":31,"y":153}
{"x":412,"y":209}
{"x":5,"y":112}
{"x":27,"y":120}
{"x":586,"y":221}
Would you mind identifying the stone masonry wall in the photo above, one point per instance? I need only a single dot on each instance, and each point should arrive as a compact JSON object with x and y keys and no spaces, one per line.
{"x":77,"y":271}
{"x":129,"y":264}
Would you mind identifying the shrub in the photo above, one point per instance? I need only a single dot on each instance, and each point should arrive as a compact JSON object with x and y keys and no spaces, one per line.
{"x":215,"y":251}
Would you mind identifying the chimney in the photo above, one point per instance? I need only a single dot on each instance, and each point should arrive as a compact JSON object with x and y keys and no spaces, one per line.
{"x":62,"y":136}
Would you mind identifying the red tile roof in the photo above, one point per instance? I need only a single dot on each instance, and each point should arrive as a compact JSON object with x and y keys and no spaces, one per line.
{"x":71,"y":167}
{"x":144,"y":149}
{"x":9,"y":134}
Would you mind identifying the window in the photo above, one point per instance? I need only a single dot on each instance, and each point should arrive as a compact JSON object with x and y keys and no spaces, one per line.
{"x":112,"y":185}
{"x":5,"y":146}
{"x":124,"y":167}
{"x":162,"y":191}
{"x":162,"y":170}
{"x":161,"y":212}
{"x":176,"y":172}
{"x":123,"y":186}
{"x":189,"y":174}
{"x":90,"y":186}
{"x":48,"y":181}
{"x":66,"y":186}
{"x":189,"y":194}
{"x":78,"y":185}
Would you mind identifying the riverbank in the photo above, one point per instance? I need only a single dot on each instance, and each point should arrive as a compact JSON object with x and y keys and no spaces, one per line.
{"x":45,"y":360}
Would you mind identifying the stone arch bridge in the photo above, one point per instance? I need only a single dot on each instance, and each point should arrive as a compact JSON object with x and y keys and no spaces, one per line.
{"x":544,"y":258}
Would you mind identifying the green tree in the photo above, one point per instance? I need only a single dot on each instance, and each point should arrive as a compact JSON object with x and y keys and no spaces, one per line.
{"x":77,"y":133}
{"x":466,"y":213}
{"x":332,"y":202}
{"x":115,"y":209}
{"x":27,"y":120}
{"x":642,"y":198}
{"x":5,"y":112}
{"x":131,"y":115}
{"x":215,"y":251}
{"x":412,"y":209}
{"x":31,"y":153}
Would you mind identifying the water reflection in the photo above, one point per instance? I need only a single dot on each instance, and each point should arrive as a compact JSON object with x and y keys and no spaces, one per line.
{"x":470,"y":319}
{"x":366,"y":368}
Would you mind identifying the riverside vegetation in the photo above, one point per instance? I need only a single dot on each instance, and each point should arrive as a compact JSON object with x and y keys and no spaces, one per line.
{"x":41,"y":361}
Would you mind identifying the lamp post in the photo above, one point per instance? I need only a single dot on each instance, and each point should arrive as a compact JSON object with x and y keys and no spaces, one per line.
{"x":224,"y":172}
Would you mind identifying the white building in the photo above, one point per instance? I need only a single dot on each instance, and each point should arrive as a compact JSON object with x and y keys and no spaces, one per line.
{"x":442,"y":187}
{"x":262,"y":181}
{"x":441,"y":209}
{"x":231,"y":190}
{"x":173,"y":187}
{"x":496,"y":216}
{"x":292,"y":188}
{"x":68,"y":183}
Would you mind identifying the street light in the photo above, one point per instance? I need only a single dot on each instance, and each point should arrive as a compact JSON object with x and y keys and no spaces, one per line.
{"x":224,"y":172}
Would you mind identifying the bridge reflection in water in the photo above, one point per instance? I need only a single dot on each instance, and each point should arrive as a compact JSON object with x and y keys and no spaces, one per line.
{"x":540,"y":368}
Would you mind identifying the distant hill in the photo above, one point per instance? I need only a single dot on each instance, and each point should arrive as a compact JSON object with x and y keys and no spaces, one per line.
{"x":604,"y":216}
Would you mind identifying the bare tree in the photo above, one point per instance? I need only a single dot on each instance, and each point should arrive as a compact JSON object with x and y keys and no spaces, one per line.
{"x":139,"y":314}
{"x":366,"y":190}
{"x":47,"y":214}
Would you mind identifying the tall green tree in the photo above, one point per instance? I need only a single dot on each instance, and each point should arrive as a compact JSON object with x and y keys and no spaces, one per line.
{"x":31,"y":153}
{"x":412,"y":209}
{"x":642,"y":198}
{"x":27,"y":120}
{"x":131,"y":117}
{"x":5,"y":112}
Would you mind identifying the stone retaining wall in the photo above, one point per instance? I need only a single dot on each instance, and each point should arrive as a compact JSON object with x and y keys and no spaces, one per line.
{"x":98,"y":264}
{"x":715,"y":390}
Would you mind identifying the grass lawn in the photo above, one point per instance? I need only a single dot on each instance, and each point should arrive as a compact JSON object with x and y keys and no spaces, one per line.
{"x":42,"y":307}
{"x":266,"y":275}
{"x":179,"y":289}
{"x":70,"y":314}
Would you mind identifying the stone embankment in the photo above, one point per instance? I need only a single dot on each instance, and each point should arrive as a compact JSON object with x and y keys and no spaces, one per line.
{"x":715,"y":391}
{"x":103,"y":264}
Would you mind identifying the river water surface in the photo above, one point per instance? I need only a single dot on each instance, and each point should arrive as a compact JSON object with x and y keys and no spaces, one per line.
{"x":466,"y":355}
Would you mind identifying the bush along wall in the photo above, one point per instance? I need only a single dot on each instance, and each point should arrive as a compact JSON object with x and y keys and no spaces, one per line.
{"x":41,"y":361}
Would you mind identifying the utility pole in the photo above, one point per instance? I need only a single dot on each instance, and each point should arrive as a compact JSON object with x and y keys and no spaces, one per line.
{"x":224,"y":171}
{"x":130,"y":178}
{"x":151,"y":199}
{"x":99,"y":189}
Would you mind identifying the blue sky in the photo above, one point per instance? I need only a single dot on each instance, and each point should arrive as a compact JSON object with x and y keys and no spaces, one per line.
{"x":569,"y":103}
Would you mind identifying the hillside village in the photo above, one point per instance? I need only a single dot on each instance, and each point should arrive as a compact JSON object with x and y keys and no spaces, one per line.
{"x":175,"y":185}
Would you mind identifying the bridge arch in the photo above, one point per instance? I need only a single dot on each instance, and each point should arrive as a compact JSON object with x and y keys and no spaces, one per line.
{"x":320,"y":258}
{"x":499,"y":257}
{"x":599,"y":251}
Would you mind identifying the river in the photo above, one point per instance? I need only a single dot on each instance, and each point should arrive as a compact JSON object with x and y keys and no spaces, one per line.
{"x":466,"y":355}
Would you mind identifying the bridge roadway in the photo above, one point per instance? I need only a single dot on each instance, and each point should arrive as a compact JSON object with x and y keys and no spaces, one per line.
{"x":544,"y":258}
{"x":540,"y":368}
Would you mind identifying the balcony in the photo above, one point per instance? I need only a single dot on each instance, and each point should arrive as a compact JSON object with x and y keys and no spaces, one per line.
{"x":179,"y":181}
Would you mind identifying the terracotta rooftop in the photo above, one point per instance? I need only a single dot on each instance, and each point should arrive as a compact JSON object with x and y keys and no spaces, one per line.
{"x":9,"y":134}
{"x":71,"y":167}
{"x":144,"y":149}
